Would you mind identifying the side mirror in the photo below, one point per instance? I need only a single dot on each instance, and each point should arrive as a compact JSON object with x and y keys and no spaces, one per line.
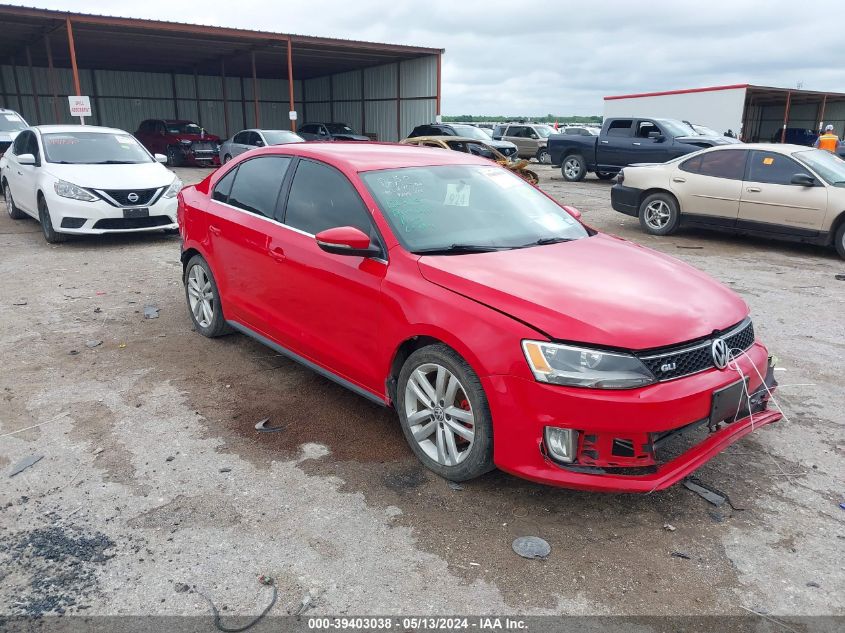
{"x":26,"y":159}
{"x":805,"y":180}
{"x":657,"y":136}
{"x":575,"y":213}
{"x":160,"y":158}
{"x":259,"y":143}
{"x":534,"y":136}
{"x":346,"y":240}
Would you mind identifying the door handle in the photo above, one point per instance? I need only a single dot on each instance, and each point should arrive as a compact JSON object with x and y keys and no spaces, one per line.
{"x":20,"y":173}
{"x":753,"y":189}
{"x":214,"y":230}
{"x":679,"y":179}
{"x":636,"y":143}
{"x":604,"y":142}
{"x":278,"y":253}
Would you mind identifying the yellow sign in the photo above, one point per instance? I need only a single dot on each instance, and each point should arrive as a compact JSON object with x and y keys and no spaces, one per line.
{"x":768,"y":161}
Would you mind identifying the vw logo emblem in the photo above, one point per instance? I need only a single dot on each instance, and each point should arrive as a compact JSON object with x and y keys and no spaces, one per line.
{"x":132,"y":197}
{"x":721,"y":353}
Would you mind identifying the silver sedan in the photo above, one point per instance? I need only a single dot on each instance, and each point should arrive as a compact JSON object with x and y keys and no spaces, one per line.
{"x":246,"y":140}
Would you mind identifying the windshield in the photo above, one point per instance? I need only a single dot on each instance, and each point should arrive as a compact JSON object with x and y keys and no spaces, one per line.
{"x":677,"y":128}
{"x":444,"y":206}
{"x":280,"y":137}
{"x":829,"y":166}
{"x":339,"y":128}
{"x":182,"y":127}
{"x":704,"y":130}
{"x":470,"y":131}
{"x":93,"y":148}
{"x":544,"y":131}
{"x":11,"y":122}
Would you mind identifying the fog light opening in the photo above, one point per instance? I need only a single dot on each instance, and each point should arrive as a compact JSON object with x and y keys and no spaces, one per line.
{"x":561,"y":443}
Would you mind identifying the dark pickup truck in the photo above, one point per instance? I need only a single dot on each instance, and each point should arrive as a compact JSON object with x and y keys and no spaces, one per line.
{"x":624,"y":142}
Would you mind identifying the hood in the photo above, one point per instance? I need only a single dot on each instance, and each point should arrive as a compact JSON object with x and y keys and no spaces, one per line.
{"x":351,"y":137}
{"x":499,"y":144}
{"x":140,"y":176}
{"x":8,"y":137}
{"x":599,"y":290}
{"x":196,"y":137}
{"x":700,"y":139}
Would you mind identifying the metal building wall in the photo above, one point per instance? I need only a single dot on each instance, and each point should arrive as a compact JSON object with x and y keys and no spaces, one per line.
{"x":385,"y":102}
{"x":124,"y":99}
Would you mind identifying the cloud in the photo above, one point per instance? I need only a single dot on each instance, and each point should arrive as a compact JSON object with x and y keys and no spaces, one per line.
{"x":547,"y":56}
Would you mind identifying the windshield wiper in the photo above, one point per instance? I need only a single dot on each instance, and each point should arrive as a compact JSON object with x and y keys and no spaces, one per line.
{"x":114,"y":162}
{"x":547,"y":240}
{"x":458,"y":249}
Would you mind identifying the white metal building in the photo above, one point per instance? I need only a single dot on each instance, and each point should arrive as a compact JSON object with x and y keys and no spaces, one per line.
{"x":753,"y":113}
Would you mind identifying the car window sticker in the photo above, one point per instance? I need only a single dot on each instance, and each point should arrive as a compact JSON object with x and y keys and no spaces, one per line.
{"x":457,"y":194}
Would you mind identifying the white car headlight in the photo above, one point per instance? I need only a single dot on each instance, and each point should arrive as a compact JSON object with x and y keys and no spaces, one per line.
{"x":174,"y":188}
{"x":69,"y":190}
{"x":584,"y":367}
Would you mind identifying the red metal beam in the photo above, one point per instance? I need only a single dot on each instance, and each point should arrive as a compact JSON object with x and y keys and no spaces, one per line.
{"x":290,"y":82}
{"x":786,"y":117}
{"x":72,"y":48}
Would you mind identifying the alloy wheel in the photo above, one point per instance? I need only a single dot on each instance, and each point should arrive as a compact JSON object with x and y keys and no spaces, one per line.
{"x":439,"y":414}
{"x":544,"y":158}
{"x":10,"y":205}
{"x":571,"y":168}
{"x":657,"y":215}
{"x":200,"y":296}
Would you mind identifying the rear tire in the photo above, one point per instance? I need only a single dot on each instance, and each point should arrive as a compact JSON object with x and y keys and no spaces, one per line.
{"x":50,"y":233}
{"x":11,"y":208}
{"x":839,"y":240}
{"x":573,"y":168}
{"x":659,"y":214}
{"x":203,"y":299}
{"x":227,"y":158}
{"x":543,"y":157}
{"x":448,"y":425}
{"x":173,"y":157}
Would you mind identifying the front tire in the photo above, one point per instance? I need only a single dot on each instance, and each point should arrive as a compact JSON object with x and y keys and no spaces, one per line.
{"x":11,"y":207}
{"x":203,"y":299}
{"x":839,"y":240}
{"x":573,"y":168}
{"x":444,"y":414}
{"x":227,"y":158}
{"x":50,"y":233}
{"x":659,"y":214}
{"x":173,"y":157}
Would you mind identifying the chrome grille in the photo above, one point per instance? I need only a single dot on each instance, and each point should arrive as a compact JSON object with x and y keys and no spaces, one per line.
{"x":685,"y":360}
{"x":125,"y":197}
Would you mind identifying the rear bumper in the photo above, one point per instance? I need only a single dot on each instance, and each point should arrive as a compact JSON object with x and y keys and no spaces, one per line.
{"x":522,"y":408}
{"x":625,"y":199}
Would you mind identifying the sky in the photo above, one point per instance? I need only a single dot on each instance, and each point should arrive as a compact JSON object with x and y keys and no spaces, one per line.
{"x":546,"y":57}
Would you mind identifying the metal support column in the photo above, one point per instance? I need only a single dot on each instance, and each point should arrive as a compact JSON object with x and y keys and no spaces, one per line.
{"x":32,"y":85}
{"x":821,"y":113}
{"x":290,"y":83}
{"x":52,"y":77}
{"x":786,"y":117}
{"x":255,"y":110}
{"x":72,"y":47}
{"x":398,"y":101}
{"x":175,"y":98}
{"x":439,"y":74}
{"x":225,"y":98}
{"x":17,"y":84}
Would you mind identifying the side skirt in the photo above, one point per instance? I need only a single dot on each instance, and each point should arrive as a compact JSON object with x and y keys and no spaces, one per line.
{"x":307,"y":363}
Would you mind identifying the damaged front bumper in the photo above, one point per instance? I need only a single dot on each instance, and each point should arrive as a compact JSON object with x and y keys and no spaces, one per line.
{"x":629,"y":441}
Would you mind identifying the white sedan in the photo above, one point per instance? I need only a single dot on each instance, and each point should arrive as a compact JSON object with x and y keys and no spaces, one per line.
{"x":78,"y":179}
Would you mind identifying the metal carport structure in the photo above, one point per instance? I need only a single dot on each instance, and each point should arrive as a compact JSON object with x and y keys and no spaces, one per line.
{"x":226,"y":79}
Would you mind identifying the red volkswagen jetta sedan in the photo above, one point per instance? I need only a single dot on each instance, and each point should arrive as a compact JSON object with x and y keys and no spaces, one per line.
{"x":503,"y":331}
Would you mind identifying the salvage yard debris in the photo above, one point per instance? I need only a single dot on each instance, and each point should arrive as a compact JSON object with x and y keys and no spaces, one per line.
{"x":93,"y":343}
{"x":150,"y":312}
{"x":531,"y":547}
{"x":264,"y":580}
{"x":25,"y":463}
{"x":716,"y":497}
{"x":261,"y":425}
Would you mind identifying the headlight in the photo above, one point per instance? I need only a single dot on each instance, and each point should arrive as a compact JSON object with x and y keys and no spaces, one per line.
{"x":584,"y":367}
{"x":174,"y":188}
{"x":69,"y":190}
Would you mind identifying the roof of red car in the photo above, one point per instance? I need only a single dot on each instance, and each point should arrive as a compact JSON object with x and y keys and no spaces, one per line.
{"x":367,"y":156}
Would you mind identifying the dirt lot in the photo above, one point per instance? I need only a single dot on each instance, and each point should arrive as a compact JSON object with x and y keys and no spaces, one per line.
{"x":153,"y":474}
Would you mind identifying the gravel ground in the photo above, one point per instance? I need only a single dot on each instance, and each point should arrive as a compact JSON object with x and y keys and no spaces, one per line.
{"x":153,"y":476}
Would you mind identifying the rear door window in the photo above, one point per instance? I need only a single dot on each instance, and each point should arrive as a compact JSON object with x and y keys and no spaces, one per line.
{"x":773,"y":168}
{"x":240,"y":138}
{"x":729,"y":163}
{"x":257,"y":184}
{"x":323,"y":198}
{"x":620,"y":127}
